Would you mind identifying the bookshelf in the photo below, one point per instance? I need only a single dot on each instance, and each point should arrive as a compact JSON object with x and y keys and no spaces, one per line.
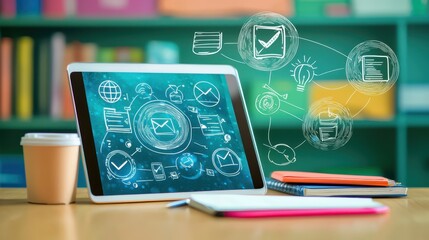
{"x":396,"y":148}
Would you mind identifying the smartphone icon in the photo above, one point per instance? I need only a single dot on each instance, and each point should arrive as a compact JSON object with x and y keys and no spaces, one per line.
{"x":158,"y":171}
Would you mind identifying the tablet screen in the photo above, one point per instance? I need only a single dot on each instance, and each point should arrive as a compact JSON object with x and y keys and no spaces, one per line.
{"x":166,"y":132}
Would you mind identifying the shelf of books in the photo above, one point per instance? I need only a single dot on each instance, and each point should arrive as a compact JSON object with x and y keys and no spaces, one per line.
{"x":34,"y":77}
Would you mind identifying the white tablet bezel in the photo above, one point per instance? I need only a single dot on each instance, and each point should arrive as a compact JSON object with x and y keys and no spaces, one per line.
{"x":161,"y":68}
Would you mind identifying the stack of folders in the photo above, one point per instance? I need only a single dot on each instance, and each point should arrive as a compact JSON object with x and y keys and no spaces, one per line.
{"x":334,"y":185}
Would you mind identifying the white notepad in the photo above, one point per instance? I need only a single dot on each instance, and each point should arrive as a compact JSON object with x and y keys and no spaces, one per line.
{"x":223,"y":202}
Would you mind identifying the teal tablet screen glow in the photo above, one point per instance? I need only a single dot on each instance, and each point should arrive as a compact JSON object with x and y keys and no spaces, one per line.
{"x":165,"y":132}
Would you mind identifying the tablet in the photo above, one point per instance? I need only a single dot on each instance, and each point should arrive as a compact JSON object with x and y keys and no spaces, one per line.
{"x":160,"y":132}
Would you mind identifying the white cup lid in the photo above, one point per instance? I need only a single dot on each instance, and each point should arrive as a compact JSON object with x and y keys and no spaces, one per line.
{"x":50,"y":139}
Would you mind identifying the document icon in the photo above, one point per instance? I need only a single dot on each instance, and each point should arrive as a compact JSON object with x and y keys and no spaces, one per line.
{"x":328,"y":126}
{"x":206,"y":94}
{"x":375,"y":68}
{"x":269,"y":41}
{"x":207,"y":43}
{"x":115,"y":121}
{"x":210,"y":125}
{"x":328,"y":133}
{"x":163,"y":126}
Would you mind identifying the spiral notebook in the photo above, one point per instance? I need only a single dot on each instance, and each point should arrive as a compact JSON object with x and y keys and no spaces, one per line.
{"x":336,"y":190}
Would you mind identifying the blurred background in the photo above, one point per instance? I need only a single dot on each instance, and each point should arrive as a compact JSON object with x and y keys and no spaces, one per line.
{"x":38,"y":38}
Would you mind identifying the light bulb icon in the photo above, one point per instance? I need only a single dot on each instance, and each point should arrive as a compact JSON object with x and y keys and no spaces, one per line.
{"x":303,"y":73}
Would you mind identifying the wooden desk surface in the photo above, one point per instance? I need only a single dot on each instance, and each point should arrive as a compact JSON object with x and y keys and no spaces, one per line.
{"x":408,"y":219}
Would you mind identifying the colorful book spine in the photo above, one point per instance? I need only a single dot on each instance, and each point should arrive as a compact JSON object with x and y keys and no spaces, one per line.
{"x":70,"y":6}
{"x":6,"y":45}
{"x":89,"y":52}
{"x":8,"y":8}
{"x":58,"y":48}
{"x":219,"y":8}
{"x":162,"y":52}
{"x":28,"y":7}
{"x":284,"y":187}
{"x":136,"y":55}
{"x":116,"y":8}
{"x":24,"y":77}
{"x":43,"y":81}
{"x":72,"y":54}
{"x":381,"y":8}
{"x":54,"y":8}
{"x":128,"y":54}
{"x":106,"y":54}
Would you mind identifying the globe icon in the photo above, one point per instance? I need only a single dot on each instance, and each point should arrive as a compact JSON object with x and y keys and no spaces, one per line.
{"x":109,"y":91}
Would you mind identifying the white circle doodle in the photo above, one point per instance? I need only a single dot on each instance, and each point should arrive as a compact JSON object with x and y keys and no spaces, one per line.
{"x":372,"y":67}
{"x":120,"y":165}
{"x":189,"y":166}
{"x":145,"y":90}
{"x":327,"y":125}
{"x":226,"y":162}
{"x":109,"y":91}
{"x":267,"y":41}
{"x":267,"y":103}
{"x":162,"y":128}
{"x":281,"y":154}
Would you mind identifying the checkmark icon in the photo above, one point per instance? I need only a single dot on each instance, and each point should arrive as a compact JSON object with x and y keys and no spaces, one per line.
{"x":269,"y":41}
{"x":120,"y":167}
{"x":264,"y":44}
{"x":157,"y":169}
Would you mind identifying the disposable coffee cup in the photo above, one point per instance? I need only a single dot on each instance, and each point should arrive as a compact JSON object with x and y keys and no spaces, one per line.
{"x":51,"y":165}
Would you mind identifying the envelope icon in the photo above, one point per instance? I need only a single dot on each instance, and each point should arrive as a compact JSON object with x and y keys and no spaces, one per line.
{"x":226,"y":160}
{"x":269,"y":41}
{"x":206,"y":94}
{"x":163,"y":126}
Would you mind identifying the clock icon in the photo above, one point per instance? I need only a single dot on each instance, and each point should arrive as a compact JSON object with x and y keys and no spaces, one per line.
{"x":120,"y":165}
